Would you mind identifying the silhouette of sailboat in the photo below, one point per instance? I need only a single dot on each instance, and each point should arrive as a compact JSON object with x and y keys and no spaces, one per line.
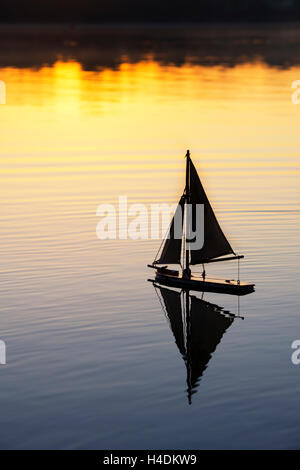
{"x":179,"y":248}
{"x":198,"y":327}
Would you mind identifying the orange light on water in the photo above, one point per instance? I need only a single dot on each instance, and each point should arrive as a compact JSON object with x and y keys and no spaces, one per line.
{"x":113,"y":127}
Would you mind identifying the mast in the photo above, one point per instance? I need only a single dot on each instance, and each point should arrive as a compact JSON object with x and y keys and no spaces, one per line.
{"x":187,"y":266}
{"x":187,"y":201}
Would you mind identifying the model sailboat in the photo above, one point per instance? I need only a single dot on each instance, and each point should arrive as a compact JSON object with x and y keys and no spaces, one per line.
{"x":177,"y":249}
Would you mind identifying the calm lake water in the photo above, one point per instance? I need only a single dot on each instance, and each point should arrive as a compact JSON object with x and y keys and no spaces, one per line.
{"x":91,"y":360}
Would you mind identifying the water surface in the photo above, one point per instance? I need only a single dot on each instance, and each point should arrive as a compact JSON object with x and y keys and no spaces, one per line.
{"x":91,"y":360}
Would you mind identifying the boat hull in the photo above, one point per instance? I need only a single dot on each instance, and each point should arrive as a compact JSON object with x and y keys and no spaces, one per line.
{"x":225,"y":286}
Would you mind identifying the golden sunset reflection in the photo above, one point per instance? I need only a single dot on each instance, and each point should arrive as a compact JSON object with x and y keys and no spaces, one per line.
{"x":107,"y":132}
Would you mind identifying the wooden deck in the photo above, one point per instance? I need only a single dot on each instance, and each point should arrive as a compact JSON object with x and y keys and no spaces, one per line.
{"x":197,"y":283}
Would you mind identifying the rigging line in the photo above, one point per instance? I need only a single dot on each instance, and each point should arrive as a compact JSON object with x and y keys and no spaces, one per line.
{"x":163,"y":239}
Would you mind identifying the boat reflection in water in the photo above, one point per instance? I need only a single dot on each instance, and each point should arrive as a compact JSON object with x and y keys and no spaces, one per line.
{"x":198,"y":327}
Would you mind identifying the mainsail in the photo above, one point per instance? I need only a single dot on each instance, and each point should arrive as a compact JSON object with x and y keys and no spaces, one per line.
{"x":215,"y":242}
{"x":171,"y":251}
